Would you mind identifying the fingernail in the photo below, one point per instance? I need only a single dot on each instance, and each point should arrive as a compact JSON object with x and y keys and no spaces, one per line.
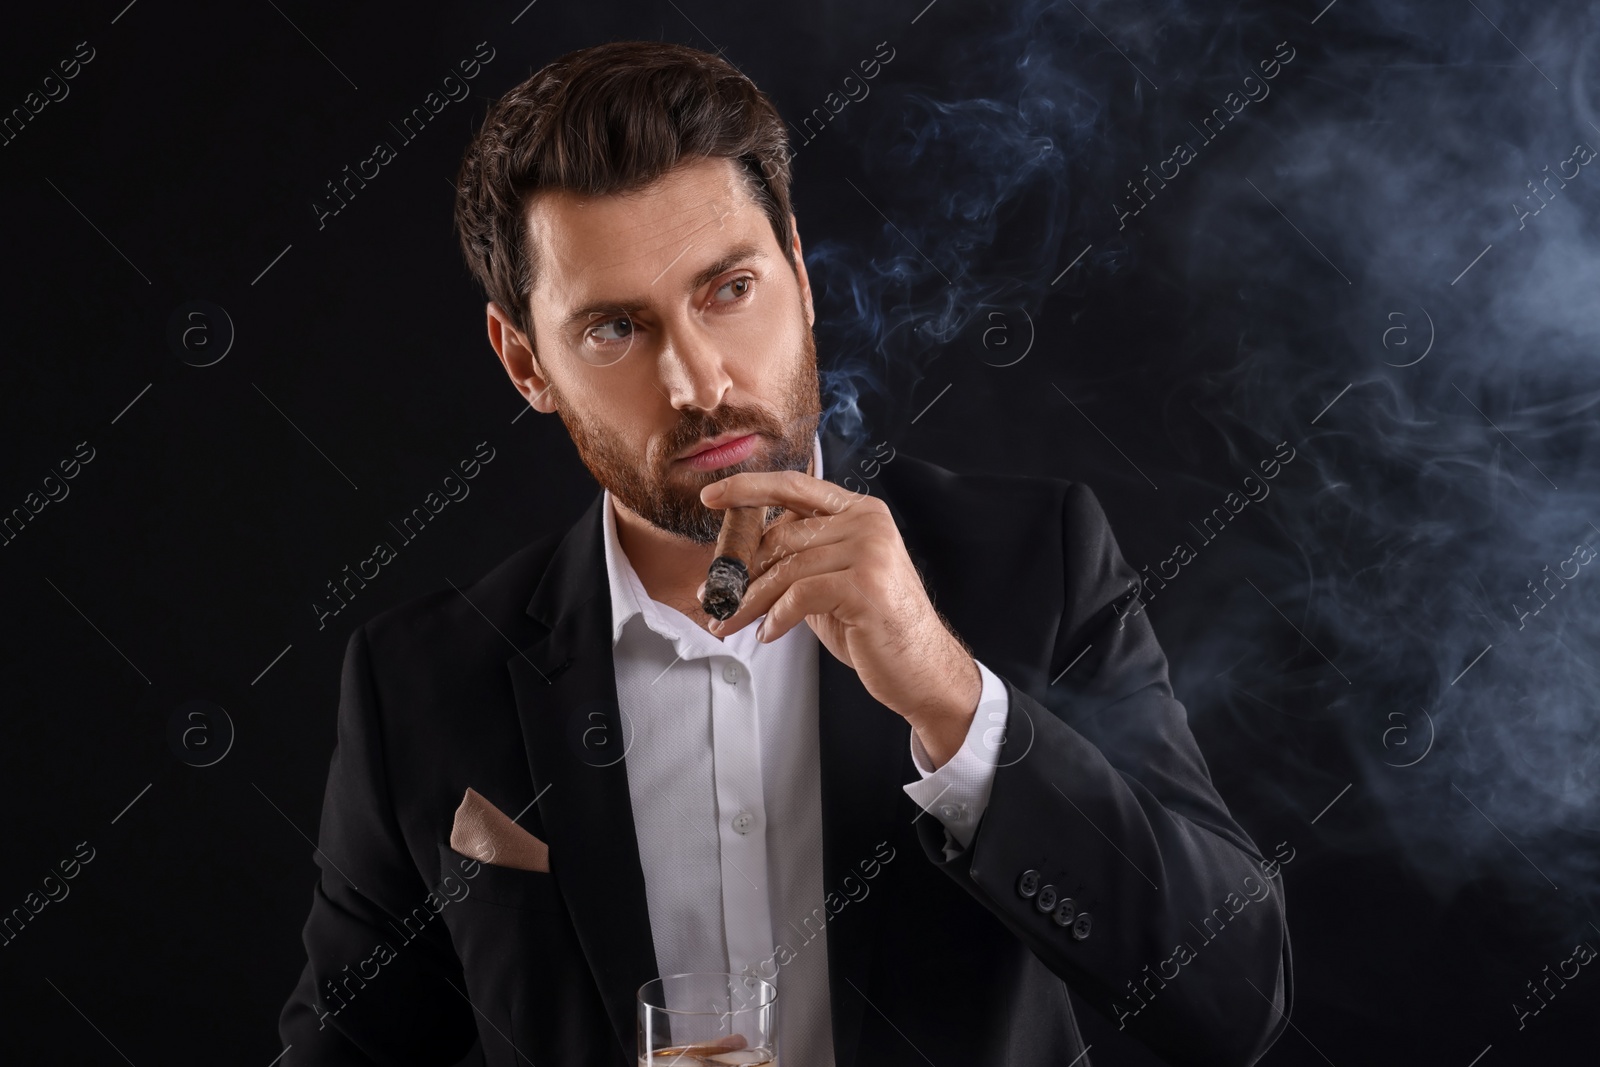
{"x":761,"y":631}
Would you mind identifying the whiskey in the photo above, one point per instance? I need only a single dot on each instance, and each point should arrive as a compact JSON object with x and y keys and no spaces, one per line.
{"x":707,"y":1019}
{"x":710,"y":1054}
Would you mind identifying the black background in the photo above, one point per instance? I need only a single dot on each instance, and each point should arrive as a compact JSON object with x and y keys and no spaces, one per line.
{"x":183,"y":564}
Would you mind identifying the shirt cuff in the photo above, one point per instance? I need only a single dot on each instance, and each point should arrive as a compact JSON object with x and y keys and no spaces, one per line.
{"x":957,"y":793}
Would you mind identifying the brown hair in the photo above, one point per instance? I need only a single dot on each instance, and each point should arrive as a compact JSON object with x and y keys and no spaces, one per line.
{"x":610,"y":118}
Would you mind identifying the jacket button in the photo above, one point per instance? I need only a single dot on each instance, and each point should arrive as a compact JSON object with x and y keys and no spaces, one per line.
{"x":1066,"y":911}
{"x":1028,"y":884}
{"x":1080,"y":929}
{"x":1046,"y":899}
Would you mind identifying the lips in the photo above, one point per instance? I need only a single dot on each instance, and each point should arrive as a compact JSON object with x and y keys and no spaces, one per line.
{"x":715,"y":442}
{"x":717,"y":456}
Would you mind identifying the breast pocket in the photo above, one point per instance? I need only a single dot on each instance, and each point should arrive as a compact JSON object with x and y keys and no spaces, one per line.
{"x":506,"y":887}
{"x":526,"y":974}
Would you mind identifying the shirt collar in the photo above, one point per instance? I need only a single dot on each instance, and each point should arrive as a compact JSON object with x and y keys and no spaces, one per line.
{"x":628,"y":596}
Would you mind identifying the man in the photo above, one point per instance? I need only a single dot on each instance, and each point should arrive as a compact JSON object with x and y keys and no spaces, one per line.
{"x":923,"y":825}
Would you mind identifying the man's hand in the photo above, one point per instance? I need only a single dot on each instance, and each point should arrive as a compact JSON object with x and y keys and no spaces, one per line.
{"x":836,"y":560}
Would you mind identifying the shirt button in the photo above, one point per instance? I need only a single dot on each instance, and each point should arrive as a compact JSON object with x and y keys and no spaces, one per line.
{"x":730,"y":672}
{"x":743,"y":821}
{"x":954,"y":812}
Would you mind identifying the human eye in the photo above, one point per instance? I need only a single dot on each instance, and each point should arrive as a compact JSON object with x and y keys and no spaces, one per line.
{"x":744,"y":283}
{"x":609,"y":332}
{"x":606,"y":339}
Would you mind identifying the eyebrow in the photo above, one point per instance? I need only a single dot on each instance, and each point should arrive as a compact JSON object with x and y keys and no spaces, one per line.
{"x":744,"y":252}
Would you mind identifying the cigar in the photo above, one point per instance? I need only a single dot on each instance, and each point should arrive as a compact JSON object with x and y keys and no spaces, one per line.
{"x":730,"y":571}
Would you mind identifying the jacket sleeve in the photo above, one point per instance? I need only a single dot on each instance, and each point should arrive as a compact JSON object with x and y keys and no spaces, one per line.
{"x":1176,"y":929}
{"x":381,"y":984}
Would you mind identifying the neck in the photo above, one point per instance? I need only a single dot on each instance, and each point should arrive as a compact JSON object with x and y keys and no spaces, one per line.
{"x":669,"y":568}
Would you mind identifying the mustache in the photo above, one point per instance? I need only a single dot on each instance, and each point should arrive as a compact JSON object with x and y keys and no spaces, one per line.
{"x":696,"y":428}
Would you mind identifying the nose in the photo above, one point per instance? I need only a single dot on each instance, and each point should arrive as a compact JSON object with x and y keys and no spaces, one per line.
{"x":693,"y":372}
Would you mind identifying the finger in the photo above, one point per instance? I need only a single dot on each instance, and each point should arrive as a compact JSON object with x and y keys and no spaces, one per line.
{"x":768,"y":587}
{"x":783,"y":540}
{"x":778,"y":545}
{"x":794,"y":490}
{"x":766,"y":590}
{"x":815,"y":594}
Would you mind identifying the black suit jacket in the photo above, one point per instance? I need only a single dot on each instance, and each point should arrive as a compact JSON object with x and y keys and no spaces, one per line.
{"x":507,"y":686}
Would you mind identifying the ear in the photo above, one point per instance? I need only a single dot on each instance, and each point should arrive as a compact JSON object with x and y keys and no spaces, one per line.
{"x":517,"y":356}
{"x":800,"y":271}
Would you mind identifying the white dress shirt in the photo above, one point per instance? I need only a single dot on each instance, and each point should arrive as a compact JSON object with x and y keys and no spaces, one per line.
{"x":721,"y":752}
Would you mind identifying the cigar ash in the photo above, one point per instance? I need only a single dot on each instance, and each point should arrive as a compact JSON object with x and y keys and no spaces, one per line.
{"x":728,"y":577}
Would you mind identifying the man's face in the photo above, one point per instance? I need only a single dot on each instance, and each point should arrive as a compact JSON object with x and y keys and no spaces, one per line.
{"x":663,"y":319}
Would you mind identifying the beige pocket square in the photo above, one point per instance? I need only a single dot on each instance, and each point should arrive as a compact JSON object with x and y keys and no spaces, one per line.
{"x":486,"y":833}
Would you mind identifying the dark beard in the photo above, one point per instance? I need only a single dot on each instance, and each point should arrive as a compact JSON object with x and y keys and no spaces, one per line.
{"x":642,"y":487}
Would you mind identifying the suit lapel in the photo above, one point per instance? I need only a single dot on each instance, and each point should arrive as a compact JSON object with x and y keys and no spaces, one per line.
{"x":866,"y":757}
{"x":565,"y":688}
{"x":566,"y":696}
